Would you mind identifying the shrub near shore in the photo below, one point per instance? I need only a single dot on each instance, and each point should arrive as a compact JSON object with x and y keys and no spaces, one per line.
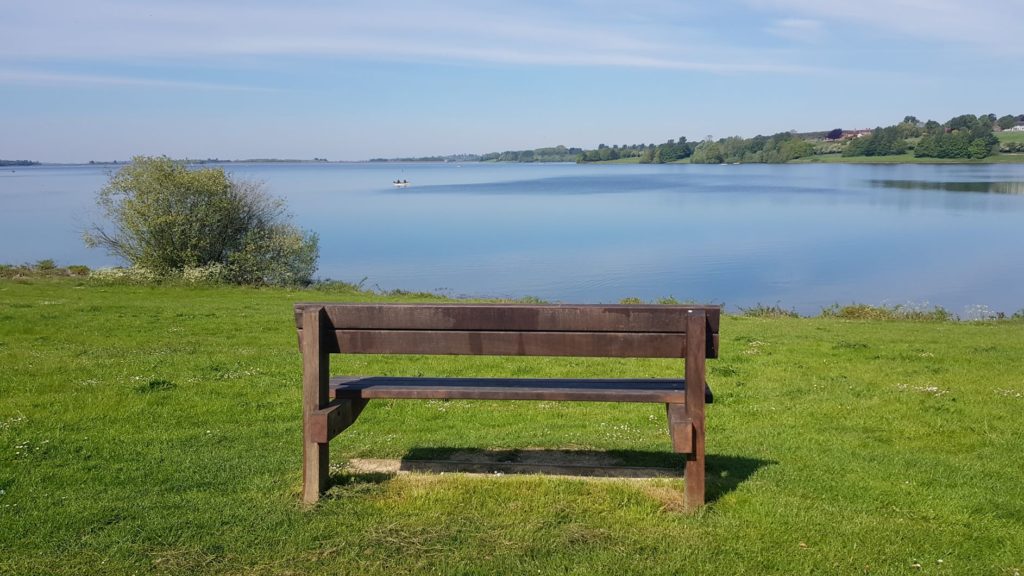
{"x":154,"y":428}
{"x":171,"y":220}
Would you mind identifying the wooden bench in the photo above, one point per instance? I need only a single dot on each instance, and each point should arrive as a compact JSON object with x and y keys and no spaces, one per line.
{"x":330,"y":405}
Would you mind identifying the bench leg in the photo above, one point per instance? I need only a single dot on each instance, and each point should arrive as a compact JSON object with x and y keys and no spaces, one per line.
{"x":688,"y":438}
{"x":694,"y":472}
{"x":314,"y":470}
{"x":316,"y":366}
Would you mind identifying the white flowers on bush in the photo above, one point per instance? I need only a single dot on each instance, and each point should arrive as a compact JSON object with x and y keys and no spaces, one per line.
{"x":133,"y":274}
{"x":209,"y":274}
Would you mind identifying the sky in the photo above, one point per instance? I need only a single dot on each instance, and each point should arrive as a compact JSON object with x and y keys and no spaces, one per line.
{"x":110,"y":79}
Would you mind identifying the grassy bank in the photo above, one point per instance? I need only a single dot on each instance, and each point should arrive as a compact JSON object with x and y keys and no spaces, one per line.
{"x":907,"y":159}
{"x":148,"y":429}
{"x":897,"y":159}
{"x":1010,"y":137}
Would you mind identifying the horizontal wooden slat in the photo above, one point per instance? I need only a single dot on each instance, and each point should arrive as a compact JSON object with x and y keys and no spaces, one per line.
{"x":511,"y":317}
{"x":581,"y":344}
{"x":462,"y":343}
{"x":601,"y":390}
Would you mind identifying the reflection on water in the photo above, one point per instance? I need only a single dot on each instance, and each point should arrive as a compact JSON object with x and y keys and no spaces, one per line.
{"x":1014,"y":187}
{"x":805,"y":236}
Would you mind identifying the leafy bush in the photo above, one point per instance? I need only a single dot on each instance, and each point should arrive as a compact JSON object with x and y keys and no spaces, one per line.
{"x":897,"y":312}
{"x":168,"y":219}
{"x":769,"y":311}
{"x":41,"y":269}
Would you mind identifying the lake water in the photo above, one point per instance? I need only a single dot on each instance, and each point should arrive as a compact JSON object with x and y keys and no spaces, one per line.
{"x":804,"y":236}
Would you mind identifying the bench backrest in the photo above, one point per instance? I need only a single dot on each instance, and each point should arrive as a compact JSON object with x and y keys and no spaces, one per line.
{"x":630,"y":331}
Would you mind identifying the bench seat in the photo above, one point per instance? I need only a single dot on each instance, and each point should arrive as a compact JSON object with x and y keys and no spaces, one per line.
{"x":656,"y":390}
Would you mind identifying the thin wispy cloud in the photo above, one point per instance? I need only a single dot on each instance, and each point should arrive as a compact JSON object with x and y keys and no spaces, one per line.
{"x":441,"y":32}
{"x":798,"y":29}
{"x":47,"y":78}
{"x":988,"y":26}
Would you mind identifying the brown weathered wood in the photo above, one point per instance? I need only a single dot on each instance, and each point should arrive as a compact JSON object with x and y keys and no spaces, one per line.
{"x":315,"y":376}
{"x":696,"y":326}
{"x":657,"y":390}
{"x":658,"y":345}
{"x":511,"y":317}
{"x":597,"y":344}
{"x":502,"y":318}
{"x":331,"y":420}
{"x":680,"y":428}
{"x":689,"y":332}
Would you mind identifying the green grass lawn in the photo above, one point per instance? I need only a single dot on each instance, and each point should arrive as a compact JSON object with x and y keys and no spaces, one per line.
{"x":906,"y":159}
{"x":148,"y":429}
{"x":1005,"y":137}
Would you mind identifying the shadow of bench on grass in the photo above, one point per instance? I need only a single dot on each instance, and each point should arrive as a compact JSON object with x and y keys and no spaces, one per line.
{"x":724,"y":473}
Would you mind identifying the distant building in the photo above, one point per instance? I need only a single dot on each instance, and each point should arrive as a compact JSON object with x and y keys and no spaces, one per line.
{"x":1017,"y":128}
{"x":851,"y":134}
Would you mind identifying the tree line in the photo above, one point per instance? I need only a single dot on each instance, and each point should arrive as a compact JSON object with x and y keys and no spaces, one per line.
{"x":966,"y":137}
{"x":780,"y":147}
{"x":646,"y":153}
{"x":550,"y":154}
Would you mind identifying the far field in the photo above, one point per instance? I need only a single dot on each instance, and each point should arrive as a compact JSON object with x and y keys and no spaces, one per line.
{"x":1004,"y":137}
{"x":1010,"y":136}
{"x":156,"y":429}
{"x":898,"y":159}
{"x":907,"y":159}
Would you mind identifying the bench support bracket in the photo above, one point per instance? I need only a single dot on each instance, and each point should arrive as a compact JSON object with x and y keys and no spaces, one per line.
{"x":680,"y":428}
{"x":328,"y":422}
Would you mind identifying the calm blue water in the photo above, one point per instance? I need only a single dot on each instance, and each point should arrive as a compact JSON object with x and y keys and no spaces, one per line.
{"x":805,"y":236}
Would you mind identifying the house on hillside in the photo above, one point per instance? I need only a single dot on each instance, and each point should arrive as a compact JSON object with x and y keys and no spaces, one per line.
{"x":860,"y":133}
{"x":1017,"y":128}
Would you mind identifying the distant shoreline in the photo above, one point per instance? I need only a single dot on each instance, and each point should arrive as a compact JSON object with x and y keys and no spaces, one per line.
{"x":823,"y":159}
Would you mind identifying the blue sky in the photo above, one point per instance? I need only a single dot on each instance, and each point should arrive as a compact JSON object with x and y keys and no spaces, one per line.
{"x":109,"y":79}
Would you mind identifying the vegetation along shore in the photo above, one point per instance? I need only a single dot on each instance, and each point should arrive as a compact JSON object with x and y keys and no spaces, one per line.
{"x":963,"y":139}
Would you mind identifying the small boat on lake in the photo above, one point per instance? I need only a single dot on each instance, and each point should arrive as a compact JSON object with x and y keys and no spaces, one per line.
{"x":400,"y":183}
